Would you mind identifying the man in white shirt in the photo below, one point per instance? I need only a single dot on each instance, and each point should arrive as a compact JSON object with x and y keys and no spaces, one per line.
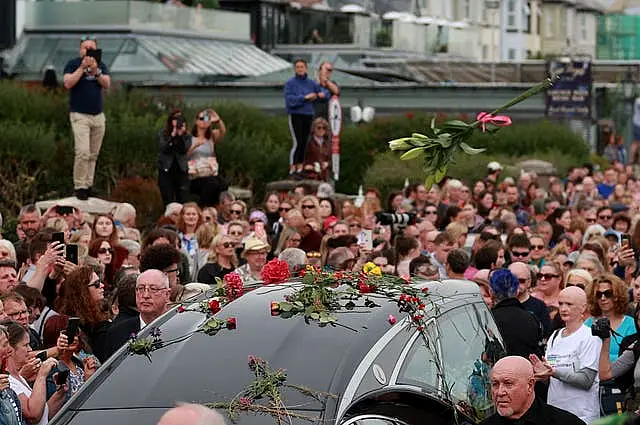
{"x":572,"y":358}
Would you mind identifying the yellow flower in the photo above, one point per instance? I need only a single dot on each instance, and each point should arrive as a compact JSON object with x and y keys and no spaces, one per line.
{"x":371,"y":269}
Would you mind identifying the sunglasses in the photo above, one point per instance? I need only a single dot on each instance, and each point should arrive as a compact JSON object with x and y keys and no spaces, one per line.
{"x":523,"y":281}
{"x":236,"y":212}
{"x":431,"y":212}
{"x":88,"y":38}
{"x":97,"y":284}
{"x":321,"y":127}
{"x":176,"y":271}
{"x":579,"y":285}
{"x":607,"y":294}
{"x":605,"y":217}
{"x":228,"y":244}
{"x":519,"y":254}
{"x":308,"y":207}
{"x":547,"y":276}
{"x":284,"y":209}
{"x":538,"y":247}
{"x":105,"y":250}
{"x":591,"y":220}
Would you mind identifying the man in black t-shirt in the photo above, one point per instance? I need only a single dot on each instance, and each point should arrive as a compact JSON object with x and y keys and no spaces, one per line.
{"x":85,"y":79}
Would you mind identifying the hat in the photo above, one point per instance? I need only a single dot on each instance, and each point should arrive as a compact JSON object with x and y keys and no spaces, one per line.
{"x":573,"y":257}
{"x":254,"y":244}
{"x":258,"y":215}
{"x":613,"y":233}
{"x":616,"y":208}
{"x":494,"y":166}
{"x":329,"y":222}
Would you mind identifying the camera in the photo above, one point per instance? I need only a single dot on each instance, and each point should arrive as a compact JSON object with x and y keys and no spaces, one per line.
{"x":601,"y":328}
{"x":397,"y":220}
{"x":180,"y":121}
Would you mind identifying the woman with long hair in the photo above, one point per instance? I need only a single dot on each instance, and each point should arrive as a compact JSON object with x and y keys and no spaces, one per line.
{"x":102,"y":250}
{"x":173,"y":144}
{"x":318,"y":152}
{"x":289,"y":238}
{"x":222,"y":260}
{"x":271,"y":207}
{"x":190,"y":220}
{"x":309,"y":207}
{"x":104,"y":226}
{"x":208,"y":130}
{"x":33,"y":399}
{"x":81,"y":296}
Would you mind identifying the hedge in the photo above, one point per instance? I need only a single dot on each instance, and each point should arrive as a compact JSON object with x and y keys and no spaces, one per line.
{"x":35,"y":137}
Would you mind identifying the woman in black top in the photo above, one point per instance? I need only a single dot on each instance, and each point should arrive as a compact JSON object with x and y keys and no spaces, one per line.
{"x":174,"y":142}
{"x":221,"y":261}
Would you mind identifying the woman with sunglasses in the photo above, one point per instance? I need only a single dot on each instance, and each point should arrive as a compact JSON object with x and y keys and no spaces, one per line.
{"x":174,"y":142}
{"x":608,"y":297}
{"x":549,"y":284}
{"x":81,"y":295}
{"x":103,"y":251}
{"x":208,"y":130}
{"x":318,"y":152}
{"x":221,"y":261}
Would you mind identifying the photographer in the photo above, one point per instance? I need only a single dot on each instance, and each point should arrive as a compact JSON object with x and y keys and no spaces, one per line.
{"x":625,"y":368}
{"x":85,"y":77}
{"x":174,"y":143}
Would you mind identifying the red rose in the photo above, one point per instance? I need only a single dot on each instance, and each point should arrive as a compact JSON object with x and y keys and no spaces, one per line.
{"x":365,"y":289}
{"x":233,"y":285}
{"x":214,"y":306}
{"x":275,"y":271}
{"x":231,"y":323}
{"x":181,"y":309}
{"x":275,"y":307}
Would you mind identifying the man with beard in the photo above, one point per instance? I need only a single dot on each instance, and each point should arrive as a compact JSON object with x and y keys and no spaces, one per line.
{"x":29,"y":223}
{"x":512,"y":387}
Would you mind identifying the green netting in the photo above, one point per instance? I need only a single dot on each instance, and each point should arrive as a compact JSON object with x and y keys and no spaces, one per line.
{"x":618,"y":37}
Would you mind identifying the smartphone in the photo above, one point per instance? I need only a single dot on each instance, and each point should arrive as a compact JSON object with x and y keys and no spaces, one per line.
{"x":42,"y":356}
{"x":72,"y":253}
{"x":180,"y":122}
{"x":96,"y":54}
{"x":625,"y":241}
{"x":57,"y":237}
{"x":61,"y":378}
{"x":72,"y":329}
{"x":365,"y":239}
{"x":64,"y":210}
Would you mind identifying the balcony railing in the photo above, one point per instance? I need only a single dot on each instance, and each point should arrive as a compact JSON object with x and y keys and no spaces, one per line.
{"x":136,"y":15}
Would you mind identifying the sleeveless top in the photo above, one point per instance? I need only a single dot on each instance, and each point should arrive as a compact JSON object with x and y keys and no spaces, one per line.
{"x":202,"y":151}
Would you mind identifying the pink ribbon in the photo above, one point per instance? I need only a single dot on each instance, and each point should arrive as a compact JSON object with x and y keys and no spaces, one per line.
{"x":498,"y":120}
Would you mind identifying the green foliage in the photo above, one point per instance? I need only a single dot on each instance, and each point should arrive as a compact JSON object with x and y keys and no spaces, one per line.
{"x":388,"y":173}
{"x":36,"y":139}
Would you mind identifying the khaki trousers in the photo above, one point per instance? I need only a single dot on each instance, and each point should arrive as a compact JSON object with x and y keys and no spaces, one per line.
{"x":88,"y":132}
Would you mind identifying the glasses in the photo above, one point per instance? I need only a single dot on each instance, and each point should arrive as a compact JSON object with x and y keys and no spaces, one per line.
{"x":547,"y":276}
{"x":236,"y":212}
{"x":579,"y":285}
{"x":152,"y":289}
{"x":284,"y":209}
{"x":537,"y":247}
{"x":523,"y":281}
{"x":18,"y":313}
{"x":228,"y":244}
{"x":605,"y":217}
{"x":105,"y":250}
{"x":608,"y":293}
{"x":308,"y":207}
{"x":297,"y":240}
{"x":519,"y":254}
{"x":431,"y":212}
{"x":97,"y":284}
{"x":87,"y":38}
{"x":176,"y":271}
{"x":591,"y":220}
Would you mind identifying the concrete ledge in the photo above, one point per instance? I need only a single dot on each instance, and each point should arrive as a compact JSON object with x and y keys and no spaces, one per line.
{"x":91,"y":205}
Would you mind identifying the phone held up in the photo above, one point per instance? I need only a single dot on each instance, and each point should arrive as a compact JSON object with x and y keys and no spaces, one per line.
{"x":72,"y":329}
{"x":62,"y":377}
{"x":58,"y":237}
{"x":42,"y":356}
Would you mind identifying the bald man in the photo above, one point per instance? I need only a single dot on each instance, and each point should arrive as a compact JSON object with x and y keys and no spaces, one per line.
{"x":191,"y":414}
{"x":572,"y":360}
{"x":512,"y":387}
{"x":153,"y":294}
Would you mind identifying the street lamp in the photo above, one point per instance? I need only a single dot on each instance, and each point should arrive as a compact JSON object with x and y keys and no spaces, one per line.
{"x":360,"y":114}
{"x":629,"y":93}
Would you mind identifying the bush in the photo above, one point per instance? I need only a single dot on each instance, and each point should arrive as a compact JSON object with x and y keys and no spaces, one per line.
{"x":388,"y":173}
{"x":144,"y":195}
{"x":36,"y":138}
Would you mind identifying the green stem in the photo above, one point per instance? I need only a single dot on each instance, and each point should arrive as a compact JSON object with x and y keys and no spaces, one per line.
{"x":547,"y":83}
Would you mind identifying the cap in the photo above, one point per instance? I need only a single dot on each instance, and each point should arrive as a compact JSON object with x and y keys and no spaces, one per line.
{"x":573,"y":257}
{"x":494,"y":166}
{"x":613,"y":233}
{"x":258,"y":215}
{"x":254,"y":244}
{"x":329,"y":222}
{"x":617,"y":207}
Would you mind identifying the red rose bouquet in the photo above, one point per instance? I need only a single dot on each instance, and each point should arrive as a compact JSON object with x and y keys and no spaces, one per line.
{"x":275,"y":271}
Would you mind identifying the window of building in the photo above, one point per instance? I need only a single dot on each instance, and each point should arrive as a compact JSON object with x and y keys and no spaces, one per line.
{"x":583,"y":27}
{"x":511,"y":14}
{"x":511,"y":54}
{"x":466,"y":9}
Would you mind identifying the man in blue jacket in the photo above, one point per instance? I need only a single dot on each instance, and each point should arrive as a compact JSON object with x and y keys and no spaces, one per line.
{"x":300,"y":93}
